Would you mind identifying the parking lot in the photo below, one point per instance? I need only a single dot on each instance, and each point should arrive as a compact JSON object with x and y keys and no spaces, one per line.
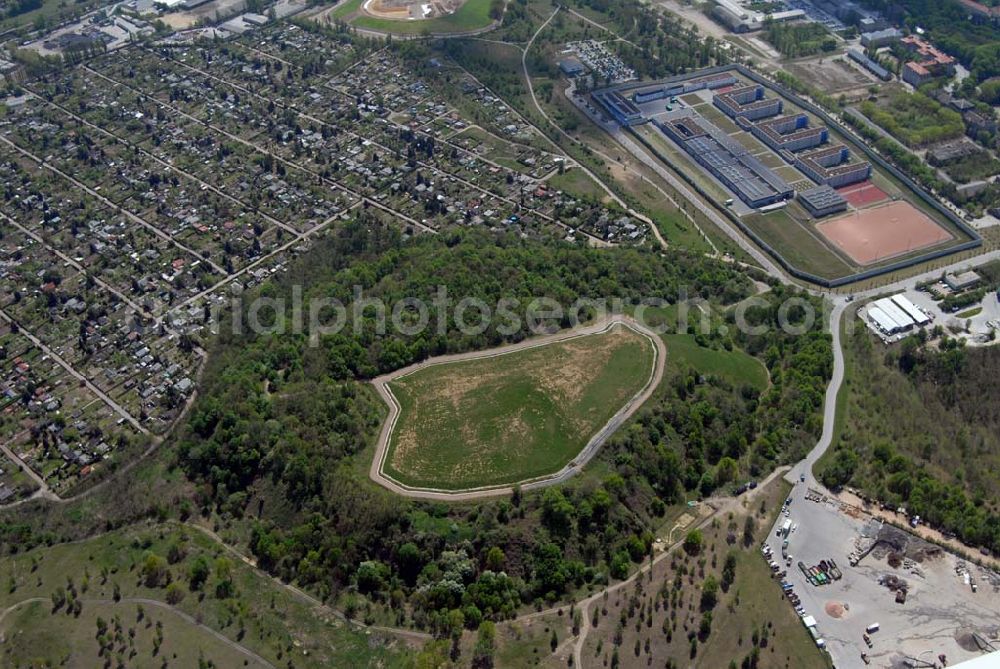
{"x":941,"y":614}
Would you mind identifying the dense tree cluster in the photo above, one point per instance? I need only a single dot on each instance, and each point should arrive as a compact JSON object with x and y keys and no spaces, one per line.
{"x":799,"y":39}
{"x":926,"y":435}
{"x":915,"y":119}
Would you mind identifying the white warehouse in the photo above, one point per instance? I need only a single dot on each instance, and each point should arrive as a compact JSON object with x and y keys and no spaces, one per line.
{"x":892,"y":315}
{"x":912,"y":310}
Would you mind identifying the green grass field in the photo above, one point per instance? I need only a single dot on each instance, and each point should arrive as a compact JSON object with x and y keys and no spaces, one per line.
{"x":735,"y":366}
{"x":515,"y":416}
{"x":801,"y":249}
{"x":576,"y":183}
{"x":255,"y":617}
{"x":472,"y":15}
{"x":33,"y":639}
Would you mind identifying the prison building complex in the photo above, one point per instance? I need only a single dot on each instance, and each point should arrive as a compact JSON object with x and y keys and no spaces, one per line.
{"x":727,"y":160}
{"x":858,"y":56}
{"x":662,"y":91}
{"x":748,"y":102}
{"x":829,"y":166}
{"x":822,"y":201}
{"x":619,"y":108}
{"x":789,"y":133}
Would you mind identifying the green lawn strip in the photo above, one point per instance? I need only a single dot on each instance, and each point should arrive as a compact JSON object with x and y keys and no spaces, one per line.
{"x":515,"y":428}
{"x":975,"y":311}
{"x":347,"y":8}
{"x":735,"y":366}
{"x":801,"y":249}
{"x":575,"y":182}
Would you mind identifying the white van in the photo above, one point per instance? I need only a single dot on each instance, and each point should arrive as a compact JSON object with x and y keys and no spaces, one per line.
{"x":871,"y":629}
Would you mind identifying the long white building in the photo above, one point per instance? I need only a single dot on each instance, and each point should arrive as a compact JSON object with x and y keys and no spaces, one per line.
{"x":896,"y":314}
{"x":883,"y":321}
{"x":912,"y":310}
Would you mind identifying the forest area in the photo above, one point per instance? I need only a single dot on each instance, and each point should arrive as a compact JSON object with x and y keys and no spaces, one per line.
{"x":922,"y":431}
{"x":799,"y":39}
{"x":915,"y":119}
{"x":278,"y":440}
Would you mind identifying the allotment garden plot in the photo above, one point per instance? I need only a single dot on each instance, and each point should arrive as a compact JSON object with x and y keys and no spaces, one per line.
{"x":513,"y":416}
{"x":145,"y":186}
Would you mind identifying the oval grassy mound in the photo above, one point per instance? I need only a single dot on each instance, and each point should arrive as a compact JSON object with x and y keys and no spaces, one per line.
{"x":513,"y":416}
{"x":472,"y":15}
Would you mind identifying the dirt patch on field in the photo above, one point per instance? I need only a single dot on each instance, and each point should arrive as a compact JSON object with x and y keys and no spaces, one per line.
{"x":568,"y":376}
{"x":880,"y":233}
{"x":835,"y":610}
{"x":829,"y":75}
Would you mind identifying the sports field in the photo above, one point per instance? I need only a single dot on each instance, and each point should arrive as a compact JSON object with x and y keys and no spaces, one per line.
{"x":862,"y":194}
{"x":513,"y":416}
{"x":880,"y":233}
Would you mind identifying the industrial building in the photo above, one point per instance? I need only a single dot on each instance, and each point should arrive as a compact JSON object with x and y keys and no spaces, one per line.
{"x":822,"y":201}
{"x":789,"y":133}
{"x":748,"y":102}
{"x":912,"y":310}
{"x":571,"y":67}
{"x":829,"y":166}
{"x":662,"y":91}
{"x":950,"y":151}
{"x":880,"y":38}
{"x":619,"y":108}
{"x":727,"y":160}
{"x":859,"y":57}
{"x":962,"y":281}
{"x":896,"y":314}
{"x":741,"y":19}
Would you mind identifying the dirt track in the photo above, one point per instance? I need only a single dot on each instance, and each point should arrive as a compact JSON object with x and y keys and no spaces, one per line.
{"x":578,"y":463}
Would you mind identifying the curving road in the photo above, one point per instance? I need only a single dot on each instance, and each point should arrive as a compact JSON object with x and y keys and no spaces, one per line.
{"x":377,"y":473}
{"x":805,"y":466}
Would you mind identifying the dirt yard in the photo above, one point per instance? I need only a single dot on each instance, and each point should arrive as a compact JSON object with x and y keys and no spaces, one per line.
{"x":880,"y":233}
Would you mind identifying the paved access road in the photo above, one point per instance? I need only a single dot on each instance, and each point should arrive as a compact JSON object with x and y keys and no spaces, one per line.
{"x":593,"y":446}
